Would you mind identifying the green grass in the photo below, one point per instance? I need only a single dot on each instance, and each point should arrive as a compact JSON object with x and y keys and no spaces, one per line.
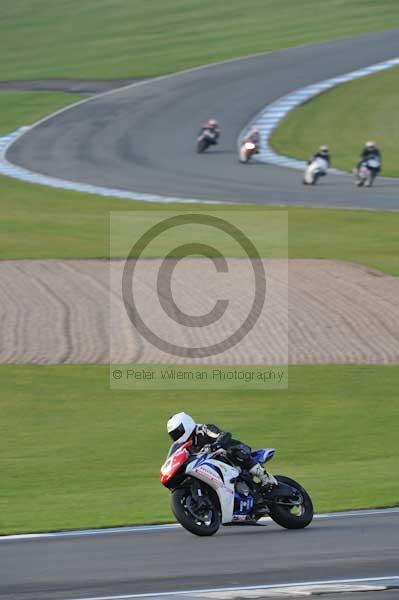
{"x":75,"y":454}
{"x":344,"y":118}
{"x":110,"y":39}
{"x":24,"y":108}
{"x":38,"y":222}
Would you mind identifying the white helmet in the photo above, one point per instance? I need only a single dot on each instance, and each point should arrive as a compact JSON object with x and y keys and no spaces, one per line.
{"x":180,"y":427}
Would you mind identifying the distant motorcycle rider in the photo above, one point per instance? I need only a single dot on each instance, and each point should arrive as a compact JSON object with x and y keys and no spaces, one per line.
{"x":182,"y":428}
{"x":370,"y":151}
{"x":253,"y":137}
{"x":324,"y":153}
{"x":213,"y":126}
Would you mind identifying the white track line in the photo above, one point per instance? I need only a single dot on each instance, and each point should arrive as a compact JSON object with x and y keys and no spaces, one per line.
{"x":393,"y":580}
{"x":272,"y":115}
{"x":267,"y":120}
{"x":166,"y":527}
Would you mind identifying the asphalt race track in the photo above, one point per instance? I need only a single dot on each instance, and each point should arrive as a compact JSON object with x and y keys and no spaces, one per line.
{"x":142,"y":138}
{"x":172,"y":559}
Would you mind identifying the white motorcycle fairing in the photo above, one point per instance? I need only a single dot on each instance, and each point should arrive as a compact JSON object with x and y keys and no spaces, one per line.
{"x":373,"y":162}
{"x":318,"y":164}
{"x":207,"y":133}
{"x":218,"y":475}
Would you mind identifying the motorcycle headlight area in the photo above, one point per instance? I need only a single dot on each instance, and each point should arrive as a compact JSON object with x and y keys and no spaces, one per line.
{"x":167,"y":467}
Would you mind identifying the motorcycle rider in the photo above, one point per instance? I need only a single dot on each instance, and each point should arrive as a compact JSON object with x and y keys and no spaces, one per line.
{"x":213,"y":126}
{"x":253,"y":137}
{"x":182,"y":428}
{"x":324,"y":153}
{"x":370,"y":150}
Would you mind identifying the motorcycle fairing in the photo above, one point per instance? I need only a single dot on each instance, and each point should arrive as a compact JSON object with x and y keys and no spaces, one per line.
{"x":176,"y":458}
{"x":263,"y":455}
{"x":204,"y":460}
{"x":373,"y":163}
{"x":243,"y":506}
{"x":317,"y":165}
{"x":220,"y":477}
{"x":207,"y":133}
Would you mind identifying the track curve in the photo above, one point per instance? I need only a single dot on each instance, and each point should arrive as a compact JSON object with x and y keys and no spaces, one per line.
{"x":154,"y":561}
{"x":141,"y":138}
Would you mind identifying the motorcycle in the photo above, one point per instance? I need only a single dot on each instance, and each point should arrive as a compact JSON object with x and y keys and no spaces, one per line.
{"x":208,"y":491}
{"x":205,"y":139}
{"x":367,"y":171}
{"x":316,"y":168}
{"x":247,"y":150}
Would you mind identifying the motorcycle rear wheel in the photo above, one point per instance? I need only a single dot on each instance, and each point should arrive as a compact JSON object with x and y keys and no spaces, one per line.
{"x":182,"y":508}
{"x":292,"y":517}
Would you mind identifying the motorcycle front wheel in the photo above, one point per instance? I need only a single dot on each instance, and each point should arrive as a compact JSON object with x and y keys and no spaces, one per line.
{"x":315,"y":178}
{"x":243,"y":156}
{"x":292,"y":515}
{"x":201,"y":518}
{"x":202,"y":145}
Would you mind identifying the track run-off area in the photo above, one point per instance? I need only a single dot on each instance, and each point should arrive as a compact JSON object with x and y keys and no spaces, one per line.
{"x":317,"y":312}
{"x":141,"y":139}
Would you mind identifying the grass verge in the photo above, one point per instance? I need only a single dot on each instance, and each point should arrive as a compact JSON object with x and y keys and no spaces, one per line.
{"x":104,"y":39}
{"x":75,"y":454}
{"x":39,"y":222}
{"x":344,"y":118}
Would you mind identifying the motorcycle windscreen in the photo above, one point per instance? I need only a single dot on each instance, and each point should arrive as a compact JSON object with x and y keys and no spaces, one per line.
{"x":174,"y":447}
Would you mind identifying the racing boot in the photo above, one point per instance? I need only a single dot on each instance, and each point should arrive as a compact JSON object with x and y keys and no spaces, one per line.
{"x":267,"y":480}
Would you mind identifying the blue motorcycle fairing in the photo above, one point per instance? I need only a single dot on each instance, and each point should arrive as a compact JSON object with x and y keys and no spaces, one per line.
{"x":263,"y":455}
{"x":243,"y":505}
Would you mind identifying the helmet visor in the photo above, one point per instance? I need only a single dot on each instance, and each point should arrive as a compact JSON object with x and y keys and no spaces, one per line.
{"x":175,"y":434}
